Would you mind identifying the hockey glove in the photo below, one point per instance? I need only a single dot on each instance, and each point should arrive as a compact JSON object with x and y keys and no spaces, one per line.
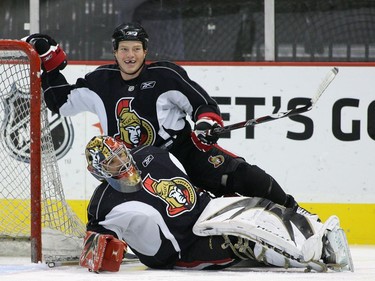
{"x":102,"y":252}
{"x":50,"y":53}
{"x":202,"y":136}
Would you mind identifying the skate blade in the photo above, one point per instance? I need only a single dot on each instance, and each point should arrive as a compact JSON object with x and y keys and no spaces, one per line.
{"x":350,"y":265}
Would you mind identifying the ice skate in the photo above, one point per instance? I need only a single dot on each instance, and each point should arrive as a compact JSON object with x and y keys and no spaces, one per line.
{"x":329,"y":246}
{"x":336,"y":252}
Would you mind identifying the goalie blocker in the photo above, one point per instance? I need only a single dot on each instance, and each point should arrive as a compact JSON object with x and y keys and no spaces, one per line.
{"x":102,"y":252}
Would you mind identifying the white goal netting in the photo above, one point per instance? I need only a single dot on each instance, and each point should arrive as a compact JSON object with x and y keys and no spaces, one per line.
{"x":15,"y":186}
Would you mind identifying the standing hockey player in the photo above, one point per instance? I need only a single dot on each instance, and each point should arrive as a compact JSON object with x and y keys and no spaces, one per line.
{"x":148,"y":104}
{"x":148,"y":201}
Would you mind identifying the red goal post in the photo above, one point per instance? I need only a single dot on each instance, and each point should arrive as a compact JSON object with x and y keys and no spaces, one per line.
{"x":35,"y":170}
{"x":34,"y":206}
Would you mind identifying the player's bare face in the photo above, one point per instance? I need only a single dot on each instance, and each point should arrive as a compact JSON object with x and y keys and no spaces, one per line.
{"x":130,"y":56}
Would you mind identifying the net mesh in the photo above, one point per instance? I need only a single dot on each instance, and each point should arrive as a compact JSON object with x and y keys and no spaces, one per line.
{"x":15,"y":212}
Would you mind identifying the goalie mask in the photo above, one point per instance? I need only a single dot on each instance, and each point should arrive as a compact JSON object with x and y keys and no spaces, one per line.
{"x":110,"y":160}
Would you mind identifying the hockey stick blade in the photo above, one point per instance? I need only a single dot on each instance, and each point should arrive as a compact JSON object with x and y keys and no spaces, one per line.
{"x":325,"y":83}
{"x":295,"y":111}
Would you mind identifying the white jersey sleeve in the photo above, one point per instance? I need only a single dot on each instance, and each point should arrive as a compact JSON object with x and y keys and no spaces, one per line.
{"x":139,"y":224}
{"x":83,"y":99}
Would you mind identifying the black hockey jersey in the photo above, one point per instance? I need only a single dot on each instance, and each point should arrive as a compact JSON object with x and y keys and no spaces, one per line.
{"x":157,"y":220}
{"x":144,"y":111}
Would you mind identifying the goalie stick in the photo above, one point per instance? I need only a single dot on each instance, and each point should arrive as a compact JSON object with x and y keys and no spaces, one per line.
{"x":295,"y":111}
{"x":55,"y":261}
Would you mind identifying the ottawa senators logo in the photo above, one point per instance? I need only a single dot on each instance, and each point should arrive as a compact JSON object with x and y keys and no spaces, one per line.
{"x":216,"y":160}
{"x":133,"y":130}
{"x":177,"y":193}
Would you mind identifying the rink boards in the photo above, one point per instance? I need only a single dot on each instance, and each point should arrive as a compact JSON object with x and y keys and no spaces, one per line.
{"x":324,"y":158}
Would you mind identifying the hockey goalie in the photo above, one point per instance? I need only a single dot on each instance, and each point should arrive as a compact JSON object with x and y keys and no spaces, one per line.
{"x":147,"y":200}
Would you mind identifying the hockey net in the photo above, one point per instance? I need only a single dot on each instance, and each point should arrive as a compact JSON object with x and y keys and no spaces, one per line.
{"x":35,"y":218}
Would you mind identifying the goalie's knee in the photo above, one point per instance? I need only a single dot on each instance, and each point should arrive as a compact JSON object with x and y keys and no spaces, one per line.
{"x":250,"y":180}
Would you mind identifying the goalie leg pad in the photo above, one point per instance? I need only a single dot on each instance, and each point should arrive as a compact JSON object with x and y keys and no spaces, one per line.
{"x":266,"y":223}
{"x":246,"y":217}
{"x":313,"y":246}
{"x":271,"y":257}
{"x":102,"y":252}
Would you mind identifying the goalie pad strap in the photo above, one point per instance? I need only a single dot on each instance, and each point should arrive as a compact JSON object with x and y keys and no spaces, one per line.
{"x":241,"y":249}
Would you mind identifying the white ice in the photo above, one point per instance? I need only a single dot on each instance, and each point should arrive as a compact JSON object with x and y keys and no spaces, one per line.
{"x":21,"y":269}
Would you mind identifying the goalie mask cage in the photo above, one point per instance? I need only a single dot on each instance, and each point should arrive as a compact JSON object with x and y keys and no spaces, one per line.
{"x":33,"y":210}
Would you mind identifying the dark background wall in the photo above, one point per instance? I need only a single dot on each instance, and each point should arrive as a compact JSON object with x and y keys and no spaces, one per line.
{"x":205,"y":30}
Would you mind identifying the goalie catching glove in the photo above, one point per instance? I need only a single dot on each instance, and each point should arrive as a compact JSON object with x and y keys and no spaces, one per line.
{"x":202,"y":136}
{"x":50,"y":53}
{"x":102,"y":252}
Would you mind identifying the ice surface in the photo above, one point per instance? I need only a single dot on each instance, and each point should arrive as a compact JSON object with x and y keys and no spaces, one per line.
{"x":20,"y":269}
